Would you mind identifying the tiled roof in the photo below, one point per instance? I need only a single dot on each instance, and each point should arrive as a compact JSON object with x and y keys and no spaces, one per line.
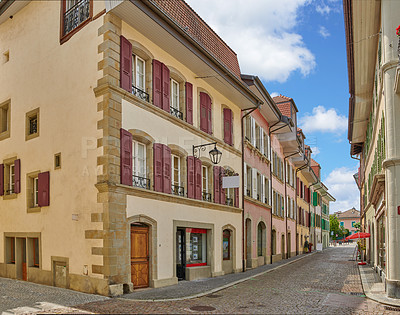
{"x":284,"y":104}
{"x":314,"y":163}
{"x":351,"y":213}
{"x":186,"y":18}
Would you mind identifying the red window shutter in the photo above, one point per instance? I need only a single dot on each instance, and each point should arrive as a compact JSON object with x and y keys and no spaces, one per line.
{"x":209,"y":118}
{"x":297,"y":186}
{"x":203,"y":112}
{"x":1,"y":179}
{"x":167,"y":168}
{"x":222,"y":190}
{"x":44,"y":189}
{"x":126,"y":64}
{"x":17,"y":176}
{"x":157,"y":83}
{"x":190,"y":174}
{"x":126,"y":157}
{"x":158,"y":166}
{"x":165,"y":88}
{"x":198,"y":178}
{"x":216,"y":184}
{"x":189,"y":102}
{"x":228,"y":126}
{"x":237,"y":197}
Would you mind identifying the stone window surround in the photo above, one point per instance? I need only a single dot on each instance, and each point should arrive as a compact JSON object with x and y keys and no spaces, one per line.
{"x":6,"y":104}
{"x":28,"y":116}
{"x":29,"y":248}
{"x":7,"y":163}
{"x":30,"y":208}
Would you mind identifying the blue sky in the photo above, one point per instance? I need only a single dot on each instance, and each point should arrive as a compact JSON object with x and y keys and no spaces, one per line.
{"x":298,"y":49}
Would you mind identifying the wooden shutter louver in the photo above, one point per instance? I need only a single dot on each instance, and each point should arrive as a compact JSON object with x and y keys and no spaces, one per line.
{"x":167,"y":169}
{"x":190,"y":175}
{"x":203,"y":112}
{"x":236,"y":197}
{"x":197,"y":178}
{"x":126,"y":157}
{"x":125,"y":64}
{"x":222,"y":199}
{"x":157,"y":83}
{"x":165,"y":88}
{"x":227,"y":113}
{"x":1,"y":179}
{"x":216,"y":179}
{"x":189,"y":102}
{"x":44,"y":189}
{"x":17,"y":176}
{"x":209,"y":118}
{"x":158,"y":166}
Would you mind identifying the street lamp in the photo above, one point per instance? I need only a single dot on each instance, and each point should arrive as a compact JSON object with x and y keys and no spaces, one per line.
{"x":215,"y":154}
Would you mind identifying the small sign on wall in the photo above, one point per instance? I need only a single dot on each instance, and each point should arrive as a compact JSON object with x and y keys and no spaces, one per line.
{"x":231,"y":182}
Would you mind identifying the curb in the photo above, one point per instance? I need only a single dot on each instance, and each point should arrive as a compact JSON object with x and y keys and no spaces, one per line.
{"x":373,"y":297}
{"x":222,"y":287}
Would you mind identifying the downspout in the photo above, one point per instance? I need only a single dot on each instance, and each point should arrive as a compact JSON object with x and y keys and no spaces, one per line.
{"x":243,"y":225}
{"x":284,"y":163}
{"x":297,"y":170}
{"x":315,"y":219}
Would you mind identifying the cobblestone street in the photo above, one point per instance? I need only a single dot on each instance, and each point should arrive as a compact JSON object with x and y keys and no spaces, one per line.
{"x":327,"y":282}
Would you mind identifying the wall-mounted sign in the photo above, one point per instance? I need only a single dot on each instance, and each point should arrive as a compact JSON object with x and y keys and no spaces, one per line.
{"x":231,"y":182}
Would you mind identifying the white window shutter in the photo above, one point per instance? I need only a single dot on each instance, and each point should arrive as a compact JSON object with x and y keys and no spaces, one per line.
{"x":262,"y":189}
{"x":269,"y":146}
{"x":245,"y":179}
{"x":262,"y":140}
{"x":269,"y":192}
{"x":253,"y":132}
{"x":254,"y":182}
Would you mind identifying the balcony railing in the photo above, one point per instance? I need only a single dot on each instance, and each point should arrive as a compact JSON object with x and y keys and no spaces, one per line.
{"x":248,"y":193}
{"x":176,"y":113}
{"x":141,"y":182}
{"x":206,"y":196}
{"x":76,"y":15}
{"x":178,"y":190}
{"x":266,"y":200}
{"x":229,"y":201}
{"x":140,"y":93}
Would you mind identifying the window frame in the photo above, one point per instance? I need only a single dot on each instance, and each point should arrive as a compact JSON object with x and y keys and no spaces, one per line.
{"x":135,"y":158}
{"x":29,"y":115}
{"x":135,"y":72}
{"x":204,"y":189}
{"x":228,"y":232}
{"x":173,"y":156}
{"x":5,"y":111}
{"x":177,"y":105}
{"x":67,"y":36}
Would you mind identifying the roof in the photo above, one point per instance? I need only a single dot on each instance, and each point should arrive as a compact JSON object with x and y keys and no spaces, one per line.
{"x":314,"y":163}
{"x":183,"y":15}
{"x":284,"y":104}
{"x":351,"y":213}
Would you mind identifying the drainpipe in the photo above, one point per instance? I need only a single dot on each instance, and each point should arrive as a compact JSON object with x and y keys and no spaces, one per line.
{"x":284,"y":163}
{"x":243,"y":225}
{"x":315,"y":235}
{"x":297,"y":170}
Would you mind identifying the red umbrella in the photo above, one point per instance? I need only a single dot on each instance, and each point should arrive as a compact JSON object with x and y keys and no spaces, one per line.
{"x":358,"y":235}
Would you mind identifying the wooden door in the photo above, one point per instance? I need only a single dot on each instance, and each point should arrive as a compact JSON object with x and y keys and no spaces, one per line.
{"x":140,"y":256}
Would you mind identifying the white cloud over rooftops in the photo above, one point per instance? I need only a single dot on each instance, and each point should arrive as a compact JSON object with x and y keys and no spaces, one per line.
{"x":323,"y":120}
{"x":323,"y":31}
{"x":262,"y":33}
{"x":342,"y":186}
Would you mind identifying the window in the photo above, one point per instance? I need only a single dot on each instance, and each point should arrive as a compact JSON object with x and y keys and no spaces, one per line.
{"x":32,"y":192}
{"x":230,"y":196}
{"x":248,"y":128}
{"x":139,"y":71}
{"x":34,"y":246}
{"x":341,"y":224}
{"x":259,"y":186}
{"x":139,"y":169}
{"x":5,"y":120}
{"x":75,"y":14}
{"x":352,"y":223}
{"x":10,"y":250}
{"x":32,"y":124}
{"x":57,"y":161}
{"x":266,"y":191}
{"x":258,"y":137}
{"x":174,"y":94}
{"x":35,"y":191}
{"x":205,"y":183}
{"x":226,"y":245}
{"x":12,"y":173}
{"x":249,"y":181}
{"x":176,"y":176}
{"x":196,"y":250}
{"x":11,"y":182}
{"x":266,"y":145}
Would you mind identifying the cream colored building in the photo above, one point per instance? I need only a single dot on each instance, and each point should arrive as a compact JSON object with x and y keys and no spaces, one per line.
{"x":101,"y":106}
{"x":374,"y":77}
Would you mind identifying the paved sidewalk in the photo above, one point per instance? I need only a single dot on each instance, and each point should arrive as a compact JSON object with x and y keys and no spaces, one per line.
{"x":197,"y":288}
{"x":374,"y":288}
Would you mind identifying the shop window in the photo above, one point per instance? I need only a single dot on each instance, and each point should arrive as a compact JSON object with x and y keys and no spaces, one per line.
{"x":197,"y":253}
{"x":10,"y":250}
{"x":226,"y":244}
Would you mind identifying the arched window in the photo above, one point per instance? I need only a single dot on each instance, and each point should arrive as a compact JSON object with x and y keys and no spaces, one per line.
{"x":226,"y":244}
{"x":261,"y":239}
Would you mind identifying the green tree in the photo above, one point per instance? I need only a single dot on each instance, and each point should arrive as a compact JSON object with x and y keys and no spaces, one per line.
{"x":334,"y":227}
{"x":357,"y":226}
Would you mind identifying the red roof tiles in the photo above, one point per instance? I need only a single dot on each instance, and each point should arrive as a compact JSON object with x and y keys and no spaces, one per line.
{"x":284,"y":104}
{"x":186,"y":18}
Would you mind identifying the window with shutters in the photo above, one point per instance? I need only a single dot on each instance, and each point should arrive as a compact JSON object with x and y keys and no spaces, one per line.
{"x":205,"y":113}
{"x":227,"y":122}
{"x":176,"y":179}
{"x":249,"y":181}
{"x":247,"y":134}
{"x":139,"y":165}
{"x":32,"y":189}
{"x":266,"y":191}
{"x":266,"y":144}
{"x":205,"y":173}
{"x":11,"y":174}
{"x":258,"y":138}
{"x":178,"y":97}
{"x":5,"y":111}
{"x":139,"y":86}
{"x":32,"y":124}
{"x":259,"y":186}
{"x":74,"y":15}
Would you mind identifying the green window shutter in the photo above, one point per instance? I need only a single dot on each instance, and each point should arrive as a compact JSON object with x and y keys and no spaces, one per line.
{"x":315,"y":198}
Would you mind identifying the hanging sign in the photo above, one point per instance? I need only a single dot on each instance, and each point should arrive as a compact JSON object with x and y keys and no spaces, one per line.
{"x":231,"y":182}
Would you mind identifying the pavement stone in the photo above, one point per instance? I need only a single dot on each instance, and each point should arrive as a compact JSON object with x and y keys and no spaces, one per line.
{"x":327,"y":282}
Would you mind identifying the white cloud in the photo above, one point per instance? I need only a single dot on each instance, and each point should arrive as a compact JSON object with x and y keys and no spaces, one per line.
{"x":323,"y":9}
{"x":262,"y":33}
{"x":273,"y":94}
{"x":323,"y":31}
{"x":323,"y":120}
{"x":342,"y":186}
{"x":315,"y":151}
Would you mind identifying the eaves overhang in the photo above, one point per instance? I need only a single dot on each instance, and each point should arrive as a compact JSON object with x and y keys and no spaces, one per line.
{"x":9,"y":8}
{"x":362,"y":25}
{"x":309,"y":175}
{"x":147,"y":18}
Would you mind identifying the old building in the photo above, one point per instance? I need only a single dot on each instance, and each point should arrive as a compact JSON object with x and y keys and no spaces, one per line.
{"x":373,"y":70}
{"x":104,"y":181}
{"x":348,"y":218}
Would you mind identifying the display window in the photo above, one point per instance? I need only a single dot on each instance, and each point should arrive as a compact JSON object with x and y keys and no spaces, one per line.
{"x":226,"y":245}
{"x":196,"y":250}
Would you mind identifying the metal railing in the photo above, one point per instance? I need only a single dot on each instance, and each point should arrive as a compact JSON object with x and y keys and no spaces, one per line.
{"x":206,"y":196}
{"x":229,"y":201}
{"x":176,"y":113}
{"x":178,"y":190}
{"x":248,"y":193}
{"x":141,"y":182}
{"x":140,"y":93}
{"x":76,"y":15}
